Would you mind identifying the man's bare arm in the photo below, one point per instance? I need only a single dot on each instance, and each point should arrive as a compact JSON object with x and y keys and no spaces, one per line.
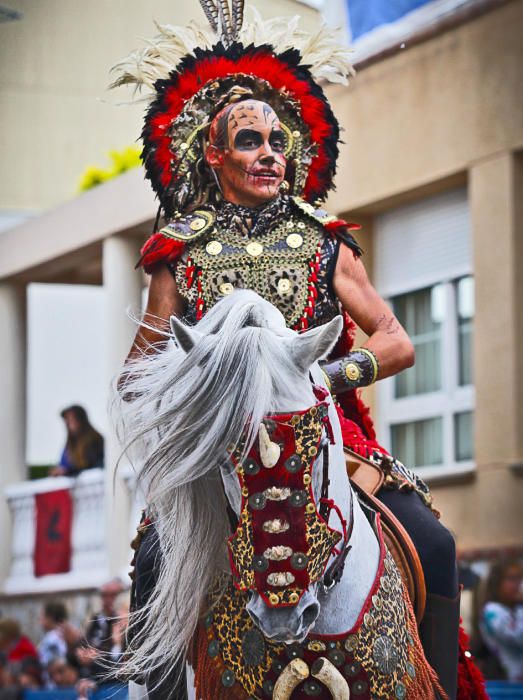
{"x":388,"y":340}
{"x":163,"y":301}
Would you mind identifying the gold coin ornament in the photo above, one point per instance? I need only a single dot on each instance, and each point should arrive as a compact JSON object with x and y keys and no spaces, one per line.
{"x":254,"y":249}
{"x":226,"y":288}
{"x":198,"y":223}
{"x":214,"y":247}
{"x":284,"y":286}
{"x":352,"y":371}
{"x":294,"y":240}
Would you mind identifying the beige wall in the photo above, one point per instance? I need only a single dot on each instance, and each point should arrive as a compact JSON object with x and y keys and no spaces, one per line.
{"x":56,"y":114}
{"x":433,"y":116}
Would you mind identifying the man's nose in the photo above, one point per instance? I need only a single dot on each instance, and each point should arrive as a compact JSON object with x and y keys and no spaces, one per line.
{"x":267,"y":156}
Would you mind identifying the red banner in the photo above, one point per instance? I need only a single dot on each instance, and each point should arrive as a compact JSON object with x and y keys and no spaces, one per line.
{"x":54,"y":517}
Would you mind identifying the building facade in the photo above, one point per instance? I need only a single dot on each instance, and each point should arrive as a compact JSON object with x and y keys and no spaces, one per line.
{"x":432,"y":167}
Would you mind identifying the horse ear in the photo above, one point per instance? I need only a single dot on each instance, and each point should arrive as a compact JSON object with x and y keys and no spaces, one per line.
{"x":185,"y":336}
{"x":316,"y":343}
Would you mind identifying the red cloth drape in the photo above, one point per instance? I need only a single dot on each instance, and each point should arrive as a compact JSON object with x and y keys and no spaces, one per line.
{"x":54,"y":516}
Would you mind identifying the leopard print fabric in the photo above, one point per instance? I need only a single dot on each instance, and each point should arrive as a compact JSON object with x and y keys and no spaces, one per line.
{"x":379,"y":658}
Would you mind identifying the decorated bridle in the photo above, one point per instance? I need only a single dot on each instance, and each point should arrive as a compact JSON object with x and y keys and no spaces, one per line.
{"x":282,"y":542}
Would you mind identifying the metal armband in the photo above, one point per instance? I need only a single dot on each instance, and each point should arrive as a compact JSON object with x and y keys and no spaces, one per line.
{"x":359,"y":368}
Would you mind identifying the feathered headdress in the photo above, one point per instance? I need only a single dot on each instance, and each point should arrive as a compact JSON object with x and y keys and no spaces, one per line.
{"x":192,"y":73}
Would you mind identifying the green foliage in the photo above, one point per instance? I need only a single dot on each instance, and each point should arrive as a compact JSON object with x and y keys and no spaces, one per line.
{"x":121,"y":161}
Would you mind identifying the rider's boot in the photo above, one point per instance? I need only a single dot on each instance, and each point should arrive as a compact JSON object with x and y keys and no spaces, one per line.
{"x":439,"y":635}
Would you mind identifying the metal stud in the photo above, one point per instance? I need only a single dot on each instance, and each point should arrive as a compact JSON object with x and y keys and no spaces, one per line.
{"x":293,"y":464}
{"x":260,"y":564}
{"x":251,"y":467}
{"x":400,"y":691}
{"x":359,"y":687}
{"x":257,"y":501}
{"x":352,"y":669}
{"x":228,"y":679}
{"x":213,"y":649}
{"x":336,"y":657}
{"x":294,"y":651}
{"x":298,"y":499}
{"x":299,"y":561}
{"x":312,"y":688}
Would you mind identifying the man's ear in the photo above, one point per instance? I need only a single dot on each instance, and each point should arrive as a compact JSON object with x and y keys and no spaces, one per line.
{"x":214,"y":157}
{"x":184,"y":336}
{"x":315,"y":343}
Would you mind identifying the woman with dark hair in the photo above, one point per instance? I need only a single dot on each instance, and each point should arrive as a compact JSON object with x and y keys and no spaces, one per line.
{"x":501,"y":620}
{"x":84,"y":448}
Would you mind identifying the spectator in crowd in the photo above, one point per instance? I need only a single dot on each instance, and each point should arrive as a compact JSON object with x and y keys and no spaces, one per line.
{"x":104,"y":634}
{"x":61,"y":674}
{"x":84,"y":448}
{"x":53,"y":645}
{"x":501,"y":620}
{"x":13,"y":644}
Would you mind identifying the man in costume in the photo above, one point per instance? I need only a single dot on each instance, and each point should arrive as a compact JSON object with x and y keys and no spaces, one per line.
{"x":240,"y":145}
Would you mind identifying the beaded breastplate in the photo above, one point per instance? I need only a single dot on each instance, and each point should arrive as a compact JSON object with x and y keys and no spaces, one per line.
{"x":283,"y":257}
{"x":380,"y":657}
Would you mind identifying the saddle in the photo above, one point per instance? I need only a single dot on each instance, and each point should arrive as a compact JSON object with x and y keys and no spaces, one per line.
{"x":366,"y":478}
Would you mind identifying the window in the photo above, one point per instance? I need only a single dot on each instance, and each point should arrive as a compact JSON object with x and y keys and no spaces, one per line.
{"x":427,"y":411}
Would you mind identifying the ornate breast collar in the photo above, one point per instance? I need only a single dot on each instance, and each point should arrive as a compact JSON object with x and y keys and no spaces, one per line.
{"x":380,"y":657}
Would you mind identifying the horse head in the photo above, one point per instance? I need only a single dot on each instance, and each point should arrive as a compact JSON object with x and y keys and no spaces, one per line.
{"x":275,"y":483}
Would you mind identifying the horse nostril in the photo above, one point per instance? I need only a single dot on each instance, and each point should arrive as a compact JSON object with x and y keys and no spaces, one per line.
{"x":310,"y":614}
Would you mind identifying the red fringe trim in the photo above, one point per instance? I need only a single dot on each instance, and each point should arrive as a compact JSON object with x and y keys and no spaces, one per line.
{"x":471,"y":684}
{"x":159,"y":248}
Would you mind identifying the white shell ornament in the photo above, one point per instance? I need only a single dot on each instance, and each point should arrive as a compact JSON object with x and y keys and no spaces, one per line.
{"x":269,"y":451}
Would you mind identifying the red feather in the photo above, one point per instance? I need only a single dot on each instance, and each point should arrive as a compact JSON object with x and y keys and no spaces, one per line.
{"x":159,"y":248}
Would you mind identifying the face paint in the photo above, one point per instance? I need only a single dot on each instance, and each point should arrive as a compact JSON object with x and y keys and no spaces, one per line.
{"x":247,"y":152}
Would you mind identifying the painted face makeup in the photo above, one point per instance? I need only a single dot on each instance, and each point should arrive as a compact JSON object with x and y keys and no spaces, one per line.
{"x":247,"y":152}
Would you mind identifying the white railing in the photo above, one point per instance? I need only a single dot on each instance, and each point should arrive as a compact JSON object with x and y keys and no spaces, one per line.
{"x":89,"y":556}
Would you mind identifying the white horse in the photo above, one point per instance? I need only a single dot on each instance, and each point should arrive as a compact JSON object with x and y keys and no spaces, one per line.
{"x":184,"y":408}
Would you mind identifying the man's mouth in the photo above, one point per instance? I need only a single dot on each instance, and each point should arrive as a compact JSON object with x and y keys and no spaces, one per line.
{"x":269,"y":175}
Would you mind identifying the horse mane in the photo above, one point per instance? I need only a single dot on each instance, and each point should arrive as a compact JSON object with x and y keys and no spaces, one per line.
{"x":176,"y":415}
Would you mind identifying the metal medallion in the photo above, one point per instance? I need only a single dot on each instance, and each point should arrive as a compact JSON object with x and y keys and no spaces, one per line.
{"x":351,"y":642}
{"x":352,"y":372}
{"x":284,"y":286}
{"x":254,"y":249}
{"x":197,"y":224}
{"x":253,"y":647}
{"x":385,"y":655}
{"x":226,"y":288}
{"x":294,"y":240}
{"x":214,"y":247}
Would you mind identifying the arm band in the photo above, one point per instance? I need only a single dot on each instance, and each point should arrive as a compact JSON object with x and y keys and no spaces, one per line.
{"x":359,"y":368}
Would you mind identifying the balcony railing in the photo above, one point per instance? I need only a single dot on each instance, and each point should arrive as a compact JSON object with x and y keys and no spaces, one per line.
{"x":89,"y":565}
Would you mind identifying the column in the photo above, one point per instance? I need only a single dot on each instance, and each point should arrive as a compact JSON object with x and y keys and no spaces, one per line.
{"x":13,"y":392}
{"x":495,"y":191}
{"x":123,"y":286}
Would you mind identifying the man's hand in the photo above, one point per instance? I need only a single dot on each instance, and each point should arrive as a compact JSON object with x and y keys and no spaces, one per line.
{"x":387,"y":338}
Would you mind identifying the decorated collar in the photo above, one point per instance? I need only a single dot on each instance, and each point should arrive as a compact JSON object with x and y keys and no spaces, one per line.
{"x":251,"y":221}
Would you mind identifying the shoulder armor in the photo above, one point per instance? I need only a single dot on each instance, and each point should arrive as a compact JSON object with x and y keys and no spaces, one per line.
{"x":319,"y":215}
{"x":189,"y":227}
